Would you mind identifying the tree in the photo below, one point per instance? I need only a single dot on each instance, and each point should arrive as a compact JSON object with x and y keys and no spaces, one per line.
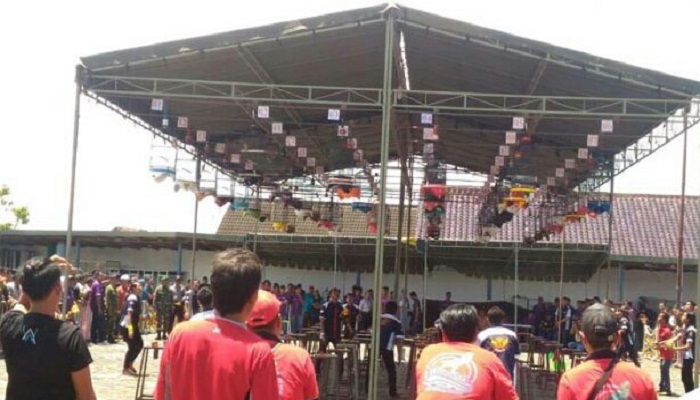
{"x":18,"y":215}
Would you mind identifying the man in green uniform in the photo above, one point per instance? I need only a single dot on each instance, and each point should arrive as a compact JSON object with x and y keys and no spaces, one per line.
{"x":112,"y":307}
{"x":164,"y":308}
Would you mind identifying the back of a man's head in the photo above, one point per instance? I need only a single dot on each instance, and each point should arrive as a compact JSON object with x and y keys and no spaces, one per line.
{"x":599,"y":327}
{"x":39,"y":278}
{"x":235,"y":278}
{"x":459,"y":323}
{"x":205,"y":297}
{"x":495,"y":316}
{"x":391,"y":307}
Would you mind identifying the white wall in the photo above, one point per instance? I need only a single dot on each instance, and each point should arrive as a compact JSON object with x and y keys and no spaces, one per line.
{"x":441,"y":280}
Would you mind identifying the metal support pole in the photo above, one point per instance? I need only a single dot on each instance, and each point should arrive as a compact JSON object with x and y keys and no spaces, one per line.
{"x":384,"y":158}
{"x":696,"y":374}
{"x":409,"y":189}
{"x":515,"y":286}
{"x":179,"y":258}
{"x":610,"y":227}
{"x":196,"y":220}
{"x":74,"y":163}
{"x":561,"y":285}
{"x":681,"y":219}
{"x":402,"y":204}
{"x":425,"y":278}
{"x":335,"y":260}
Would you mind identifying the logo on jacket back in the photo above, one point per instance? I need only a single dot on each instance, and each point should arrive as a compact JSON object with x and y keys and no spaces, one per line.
{"x":453,"y":373}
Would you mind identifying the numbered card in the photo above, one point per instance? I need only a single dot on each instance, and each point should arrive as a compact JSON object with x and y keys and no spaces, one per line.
{"x":428,"y":148}
{"x":606,"y":125}
{"x":249,"y":165}
{"x":343,"y":131}
{"x":201,"y":136}
{"x":358,"y":155}
{"x":559,"y":172}
{"x":495,"y":170}
{"x":519,"y":123}
{"x":277,"y":128}
{"x":235,"y":158}
{"x":311,"y":162}
{"x":511,"y":137}
{"x":592,"y":140}
{"x":220,"y":148}
{"x":583,"y":153}
{"x":500,"y":161}
{"x":333,"y":114}
{"x":551,"y":181}
{"x":426,"y":118}
{"x":182,"y":122}
{"x":430,"y":134}
{"x":569,"y":163}
{"x":157,"y":104}
{"x":351,"y":143}
{"x":290,"y":141}
{"x":166,"y":122}
{"x":504,"y":150}
{"x":263,"y":112}
{"x":301,"y":152}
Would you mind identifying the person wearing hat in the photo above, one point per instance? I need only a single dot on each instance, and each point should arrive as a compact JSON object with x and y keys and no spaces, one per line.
{"x":296,"y":375}
{"x":163,"y":299}
{"x":603,"y":375}
{"x":130,"y":331}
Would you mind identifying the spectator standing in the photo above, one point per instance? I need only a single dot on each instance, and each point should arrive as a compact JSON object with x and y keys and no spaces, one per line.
{"x":665,"y":333}
{"x":130,"y":329}
{"x":390,"y":331}
{"x":365,"y":317}
{"x":688,"y":350}
{"x":205,"y":299}
{"x":331,"y":320}
{"x":97,"y":301}
{"x":499,"y":340}
{"x":297,"y":310}
{"x":112,"y":309}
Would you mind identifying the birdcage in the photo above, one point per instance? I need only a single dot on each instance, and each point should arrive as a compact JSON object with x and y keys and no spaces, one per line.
{"x":163,"y":161}
{"x":330,"y":214}
{"x":373,"y":220}
{"x":225,"y":190}
{"x":280,"y":216}
{"x":343,"y":186}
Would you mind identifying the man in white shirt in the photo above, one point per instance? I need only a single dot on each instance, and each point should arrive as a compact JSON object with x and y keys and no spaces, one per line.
{"x":365,"y":318}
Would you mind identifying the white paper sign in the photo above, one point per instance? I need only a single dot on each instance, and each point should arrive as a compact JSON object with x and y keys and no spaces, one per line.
{"x":343,"y":131}
{"x":430,"y":134}
{"x":551,"y":181}
{"x":519,"y":123}
{"x":201,"y":136}
{"x":263,"y":112}
{"x":495,"y":170}
{"x":606,"y":125}
{"x":277,"y":128}
{"x":569,"y":163}
{"x":358,"y":155}
{"x":301,"y":152}
{"x":559,"y":172}
{"x":426,"y":118}
{"x":166,"y":122}
{"x":511,"y":137}
{"x":333,"y":114}
{"x":583,"y":153}
{"x":157,"y":104}
{"x":500,"y":161}
{"x":235,"y":158}
{"x":290,"y":141}
{"x":220,"y":148}
{"x":351,"y":143}
{"x":249,"y":165}
{"x":592,"y":141}
{"x":311,"y":162}
{"x":504,"y":150}
{"x":182,"y":122}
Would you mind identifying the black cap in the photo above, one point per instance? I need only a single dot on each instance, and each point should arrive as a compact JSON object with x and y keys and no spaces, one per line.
{"x":599,"y":322}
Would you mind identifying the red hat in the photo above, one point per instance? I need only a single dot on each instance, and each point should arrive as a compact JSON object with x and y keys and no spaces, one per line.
{"x":265,"y":310}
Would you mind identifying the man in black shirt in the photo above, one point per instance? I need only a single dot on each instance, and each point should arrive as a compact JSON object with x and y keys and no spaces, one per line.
{"x":45,"y":358}
{"x":331,"y":320}
{"x":130,"y":329}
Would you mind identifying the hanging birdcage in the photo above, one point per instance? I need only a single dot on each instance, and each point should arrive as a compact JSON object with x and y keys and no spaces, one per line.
{"x":162,"y":164}
{"x":343,"y":186}
{"x":253,"y":204}
{"x":433,"y":208}
{"x":373,"y":220}
{"x":305,"y":210}
{"x":280,"y":216}
{"x":330,"y":214}
{"x":207,"y":182}
{"x":225,"y":190}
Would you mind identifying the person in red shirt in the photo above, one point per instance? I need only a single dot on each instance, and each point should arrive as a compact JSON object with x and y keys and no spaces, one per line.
{"x":219,"y":358}
{"x":603,"y":376}
{"x":296,"y":376}
{"x":665,"y":352}
{"x":458,"y":369}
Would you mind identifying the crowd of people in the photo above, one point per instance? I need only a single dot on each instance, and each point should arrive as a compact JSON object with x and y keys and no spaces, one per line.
{"x":230,"y":343}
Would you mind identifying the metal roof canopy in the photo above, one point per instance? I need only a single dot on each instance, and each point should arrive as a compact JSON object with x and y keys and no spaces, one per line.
{"x":474,"y":79}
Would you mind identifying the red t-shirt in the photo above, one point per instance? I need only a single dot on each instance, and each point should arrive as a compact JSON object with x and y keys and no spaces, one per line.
{"x":462,"y":371}
{"x":296,"y":375}
{"x":665,"y":333}
{"x":216,"y":359}
{"x":627,"y":382}
{"x":121,"y":296}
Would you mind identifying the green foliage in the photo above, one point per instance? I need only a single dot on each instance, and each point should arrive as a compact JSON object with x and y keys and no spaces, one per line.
{"x":19,"y":215}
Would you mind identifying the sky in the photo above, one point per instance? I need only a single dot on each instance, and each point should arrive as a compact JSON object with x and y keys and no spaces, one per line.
{"x":42,"y":41}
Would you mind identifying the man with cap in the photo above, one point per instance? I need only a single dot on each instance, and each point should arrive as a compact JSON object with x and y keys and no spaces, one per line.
{"x":112,"y":307}
{"x":296,"y":377}
{"x":163,"y":300}
{"x":603,"y":375}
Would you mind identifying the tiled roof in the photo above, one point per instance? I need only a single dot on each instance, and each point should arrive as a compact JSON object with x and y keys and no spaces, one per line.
{"x":643,"y":225}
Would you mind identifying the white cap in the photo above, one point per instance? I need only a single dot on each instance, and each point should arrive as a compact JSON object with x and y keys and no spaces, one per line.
{"x":126,"y":277}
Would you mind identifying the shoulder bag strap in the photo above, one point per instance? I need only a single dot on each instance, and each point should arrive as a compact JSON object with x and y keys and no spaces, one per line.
{"x":603,"y":379}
